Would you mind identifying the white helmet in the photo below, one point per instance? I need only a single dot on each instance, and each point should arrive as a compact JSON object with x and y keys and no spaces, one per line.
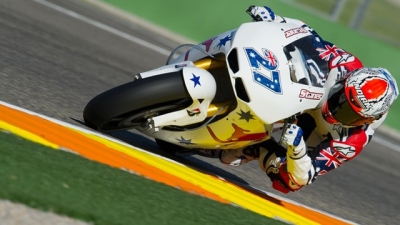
{"x":360,"y":97}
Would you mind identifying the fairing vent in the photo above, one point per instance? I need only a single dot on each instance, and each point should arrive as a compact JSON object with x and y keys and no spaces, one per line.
{"x":233,"y":61}
{"x":241,"y":90}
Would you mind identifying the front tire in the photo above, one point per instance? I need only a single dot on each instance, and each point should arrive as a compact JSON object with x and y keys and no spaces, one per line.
{"x":129,"y":105}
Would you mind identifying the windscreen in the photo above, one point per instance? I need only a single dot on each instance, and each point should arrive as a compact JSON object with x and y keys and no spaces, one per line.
{"x":306,"y":53}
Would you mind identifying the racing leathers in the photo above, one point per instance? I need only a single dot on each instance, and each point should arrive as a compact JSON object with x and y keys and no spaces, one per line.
{"x":312,"y":146}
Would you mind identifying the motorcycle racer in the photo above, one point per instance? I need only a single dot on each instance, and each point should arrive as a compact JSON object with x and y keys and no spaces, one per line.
{"x":336,"y":131}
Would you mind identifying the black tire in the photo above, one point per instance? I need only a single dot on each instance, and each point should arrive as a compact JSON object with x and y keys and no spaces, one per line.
{"x":129,"y":105}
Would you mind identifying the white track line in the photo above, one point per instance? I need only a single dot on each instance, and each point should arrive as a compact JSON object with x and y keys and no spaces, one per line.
{"x":386,"y":143}
{"x":105,"y":27}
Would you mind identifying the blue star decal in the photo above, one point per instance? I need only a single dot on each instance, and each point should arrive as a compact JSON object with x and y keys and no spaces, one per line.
{"x":196,"y":80}
{"x":223,"y":41}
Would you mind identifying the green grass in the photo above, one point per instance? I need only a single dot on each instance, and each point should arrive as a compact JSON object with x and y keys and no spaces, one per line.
{"x":382,"y":17}
{"x":68,"y":184}
{"x":327,"y":6}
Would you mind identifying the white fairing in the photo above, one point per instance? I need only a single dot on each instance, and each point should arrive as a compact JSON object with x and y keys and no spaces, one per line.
{"x":264,"y":70}
{"x":200,"y":84}
{"x":256,"y":62}
{"x":272,"y":93}
{"x":202,"y":88}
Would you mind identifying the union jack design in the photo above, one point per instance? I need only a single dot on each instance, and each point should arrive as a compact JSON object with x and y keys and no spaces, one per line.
{"x":272,"y":60}
{"x":329,"y":159}
{"x":329,"y":52}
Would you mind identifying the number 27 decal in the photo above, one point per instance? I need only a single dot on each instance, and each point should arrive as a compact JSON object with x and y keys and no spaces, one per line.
{"x":268,"y":61}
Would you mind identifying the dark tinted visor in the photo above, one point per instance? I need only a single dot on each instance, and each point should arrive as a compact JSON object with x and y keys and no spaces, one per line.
{"x":341,"y":109}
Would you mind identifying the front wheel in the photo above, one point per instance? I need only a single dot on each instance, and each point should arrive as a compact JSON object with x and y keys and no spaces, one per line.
{"x":129,"y":105}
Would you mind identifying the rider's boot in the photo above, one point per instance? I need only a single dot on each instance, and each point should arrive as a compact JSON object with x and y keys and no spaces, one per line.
{"x":271,"y":156}
{"x":237,"y":157}
{"x":273,"y":161}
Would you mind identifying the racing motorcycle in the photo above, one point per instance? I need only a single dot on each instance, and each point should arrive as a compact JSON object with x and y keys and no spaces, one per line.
{"x":227,"y":92}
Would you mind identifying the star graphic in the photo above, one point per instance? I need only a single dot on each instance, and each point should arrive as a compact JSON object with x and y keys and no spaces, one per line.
{"x":223,"y":41}
{"x":184,"y":141}
{"x":196,"y":80}
{"x":245,"y":116}
{"x":208,"y":43}
{"x":345,"y":150}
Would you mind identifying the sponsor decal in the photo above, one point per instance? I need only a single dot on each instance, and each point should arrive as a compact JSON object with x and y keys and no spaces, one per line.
{"x":310,"y":95}
{"x":295,"y":31}
{"x":361,"y":98}
{"x":363,"y":91}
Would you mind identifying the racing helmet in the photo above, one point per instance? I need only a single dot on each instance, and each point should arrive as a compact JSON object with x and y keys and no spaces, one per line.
{"x":360,"y":97}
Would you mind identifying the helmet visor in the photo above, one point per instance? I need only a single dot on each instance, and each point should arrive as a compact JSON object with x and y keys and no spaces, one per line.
{"x":340,"y":109}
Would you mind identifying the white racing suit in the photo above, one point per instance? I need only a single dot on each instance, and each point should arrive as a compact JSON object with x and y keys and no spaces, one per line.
{"x":327,"y":146}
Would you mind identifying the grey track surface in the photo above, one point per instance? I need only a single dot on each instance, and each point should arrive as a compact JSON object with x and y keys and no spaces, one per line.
{"x":18,"y":214}
{"x":53,"y":64}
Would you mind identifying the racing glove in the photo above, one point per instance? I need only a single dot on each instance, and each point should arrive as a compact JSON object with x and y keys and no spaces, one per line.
{"x":293,"y":139}
{"x":299,"y":166}
{"x":261,"y":13}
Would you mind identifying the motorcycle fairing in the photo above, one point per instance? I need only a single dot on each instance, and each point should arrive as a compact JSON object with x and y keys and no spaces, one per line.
{"x":271,"y":80}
